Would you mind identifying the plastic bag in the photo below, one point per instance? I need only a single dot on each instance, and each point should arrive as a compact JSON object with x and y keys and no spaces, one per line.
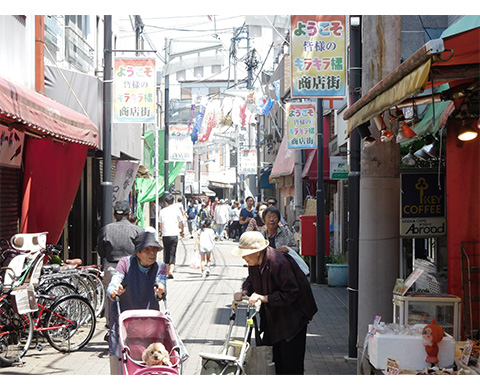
{"x":195,"y":260}
{"x":301,"y":263}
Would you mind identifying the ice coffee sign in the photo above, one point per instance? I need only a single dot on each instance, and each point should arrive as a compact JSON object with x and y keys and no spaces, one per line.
{"x":423,"y":205}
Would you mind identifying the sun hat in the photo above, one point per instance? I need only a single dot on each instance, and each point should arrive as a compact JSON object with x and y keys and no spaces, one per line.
{"x":122,"y":207}
{"x":250,"y":242}
{"x":145,"y":240}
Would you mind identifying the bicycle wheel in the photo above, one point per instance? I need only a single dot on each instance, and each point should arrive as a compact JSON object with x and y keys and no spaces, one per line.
{"x":92,"y":290}
{"x":96,"y":276}
{"x":16,"y":333}
{"x":70,"y":323}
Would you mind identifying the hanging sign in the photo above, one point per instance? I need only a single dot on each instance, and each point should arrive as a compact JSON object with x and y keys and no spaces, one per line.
{"x":180,"y":146}
{"x":339,"y":168}
{"x":423,"y":205}
{"x":134,"y":90}
{"x":248,"y":162}
{"x":11,"y":147}
{"x":318,"y":56}
{"x":125,"y":174}
{"x":302,"y":125}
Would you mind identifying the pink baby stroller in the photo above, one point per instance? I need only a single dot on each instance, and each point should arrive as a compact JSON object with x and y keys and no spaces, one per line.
{"x":140,"y":328}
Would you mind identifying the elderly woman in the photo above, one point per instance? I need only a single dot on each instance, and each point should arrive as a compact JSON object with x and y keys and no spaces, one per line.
{"x":140,"y":282}
{"x":278,"y":236}
{"x":288,"y":305}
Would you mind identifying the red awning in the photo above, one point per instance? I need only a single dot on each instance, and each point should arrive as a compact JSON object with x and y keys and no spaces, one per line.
{"x":46,"y":116}
{"x":310,"y":168}
{"x":285,"y":161}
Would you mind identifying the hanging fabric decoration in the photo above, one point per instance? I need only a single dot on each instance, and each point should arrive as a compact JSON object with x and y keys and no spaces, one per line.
{"x":212,"y":116}
{"x":276,"y":86}
{"x":192,"y":111}
{"x":198,"y":124}
{"x":243,"y":115}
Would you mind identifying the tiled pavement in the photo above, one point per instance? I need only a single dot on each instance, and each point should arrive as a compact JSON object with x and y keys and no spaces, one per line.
{"x":200,"y":310}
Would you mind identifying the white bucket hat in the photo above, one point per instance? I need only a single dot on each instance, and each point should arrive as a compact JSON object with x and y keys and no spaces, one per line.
{"x":250,"y":242}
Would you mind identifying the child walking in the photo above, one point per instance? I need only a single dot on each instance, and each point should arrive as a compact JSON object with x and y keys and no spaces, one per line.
{"x":205,"y":244}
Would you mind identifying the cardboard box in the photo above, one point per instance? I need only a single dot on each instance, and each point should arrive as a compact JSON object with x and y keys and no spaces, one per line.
{"x":408,"y":350}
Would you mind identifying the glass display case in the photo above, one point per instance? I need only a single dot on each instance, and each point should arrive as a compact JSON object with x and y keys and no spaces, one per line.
{"x":423,"y":308}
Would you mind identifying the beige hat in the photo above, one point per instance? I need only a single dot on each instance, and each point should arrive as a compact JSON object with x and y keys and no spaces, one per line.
{"x":250,"y":242}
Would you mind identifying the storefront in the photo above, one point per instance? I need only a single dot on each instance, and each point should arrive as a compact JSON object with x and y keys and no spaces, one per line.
{"x":51,"y":142}
{"x":447,"y":71}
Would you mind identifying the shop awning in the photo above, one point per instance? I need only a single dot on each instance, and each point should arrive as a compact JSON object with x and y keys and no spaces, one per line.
{"x":454,"y":58}
{"x":45,"y":116}
{"x":285,"y":160}
{"x":265,"y":179}
{"x":310,"y":168}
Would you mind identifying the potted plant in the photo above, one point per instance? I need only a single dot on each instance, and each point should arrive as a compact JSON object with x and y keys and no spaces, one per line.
{"x":337,"y":269}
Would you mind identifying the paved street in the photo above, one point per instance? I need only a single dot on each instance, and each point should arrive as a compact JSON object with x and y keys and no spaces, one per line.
{"x":200,"y":310}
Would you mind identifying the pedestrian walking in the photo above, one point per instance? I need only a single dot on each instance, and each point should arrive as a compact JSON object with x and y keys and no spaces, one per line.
{"x":116,"y":240}
{"x":205,"y":244}
{"x":220,"y":216}
{"x":170,"y":226}
{"x":203,"y":214}
{"x":288,"y":305}
{"x":278,"y":236}
{"x":234,"y":228}
{"x":192,"y":212}
{"x":257,"y":223}
{"x":247,"y":213}
{"x":140,"y":282}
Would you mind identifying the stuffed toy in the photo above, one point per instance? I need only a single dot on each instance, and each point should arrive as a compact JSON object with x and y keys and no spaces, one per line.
{"x":432,"y":335}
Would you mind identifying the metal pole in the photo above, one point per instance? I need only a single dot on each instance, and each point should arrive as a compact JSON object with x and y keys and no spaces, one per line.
{"x":320,"y":258}
{"x":107,"y":185}
{"x":167,"y":118}
{"x":354,"y":192}
{"x":259,"y":161}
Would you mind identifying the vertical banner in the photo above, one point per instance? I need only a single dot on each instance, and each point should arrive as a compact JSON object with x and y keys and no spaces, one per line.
{"x":318,"y":55}
{"x":302,"y":125}
{"x":125,"y":174}
{"x":180,"y":146}
{"x":189,"y":181}
{"x":248,"y":162}
{"x":134,"y":90}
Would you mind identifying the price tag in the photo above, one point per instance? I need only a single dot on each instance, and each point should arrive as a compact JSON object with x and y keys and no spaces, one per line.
{"x":393,"y":366}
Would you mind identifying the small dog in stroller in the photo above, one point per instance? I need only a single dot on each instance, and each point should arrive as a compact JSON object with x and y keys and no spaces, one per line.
{"x":156,"y":355}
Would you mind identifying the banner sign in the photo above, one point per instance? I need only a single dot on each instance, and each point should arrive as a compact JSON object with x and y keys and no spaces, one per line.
{"x":11,"y":147}
{"x":318,"y":59}
{"x":134,"y":90}
{"x":302,"y":125}
{"x":125,"y":174}
{"x":248,"y":162}
{"x":180,"y":146}
{"x":423,"y":205}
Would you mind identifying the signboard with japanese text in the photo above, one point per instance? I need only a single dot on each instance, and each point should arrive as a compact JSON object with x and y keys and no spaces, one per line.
{"x":302,"y":125}
{"x":180,"y":146}
{"x":134,"y":90}
{"x":423,"y":205}
{"x":248,"y":162}
{"x":125,"y":174}
{"x":318,"y":56}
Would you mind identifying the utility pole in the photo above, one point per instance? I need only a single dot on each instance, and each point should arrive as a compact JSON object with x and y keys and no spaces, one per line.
{"x":107,"y":185}
{"x":355,"y":70}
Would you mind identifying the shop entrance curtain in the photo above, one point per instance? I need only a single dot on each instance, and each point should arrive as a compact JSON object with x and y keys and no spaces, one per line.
{"x":52,"y":175}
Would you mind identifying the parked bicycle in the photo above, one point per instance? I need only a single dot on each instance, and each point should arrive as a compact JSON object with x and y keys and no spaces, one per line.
{"x":67,"y":322}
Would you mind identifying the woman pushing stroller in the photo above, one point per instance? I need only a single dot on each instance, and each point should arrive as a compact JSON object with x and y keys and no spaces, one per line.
{"x":139,"y":282}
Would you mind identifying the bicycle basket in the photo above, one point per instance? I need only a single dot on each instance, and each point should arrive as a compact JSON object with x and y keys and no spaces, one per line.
{"x":23,"y":300}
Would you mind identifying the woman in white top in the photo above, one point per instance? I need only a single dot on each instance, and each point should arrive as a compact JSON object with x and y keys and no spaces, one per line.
{"x":205,"y":244}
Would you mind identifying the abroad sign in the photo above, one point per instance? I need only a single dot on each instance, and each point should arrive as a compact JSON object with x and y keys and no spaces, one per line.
{"x":423,"y":205}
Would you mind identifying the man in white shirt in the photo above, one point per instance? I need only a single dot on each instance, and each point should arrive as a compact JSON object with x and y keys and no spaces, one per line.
{"x":170,"y":226}
{"x":221,"y":215}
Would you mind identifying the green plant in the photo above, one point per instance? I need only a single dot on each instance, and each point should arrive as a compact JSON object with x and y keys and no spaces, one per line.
{"x":336,"y":258}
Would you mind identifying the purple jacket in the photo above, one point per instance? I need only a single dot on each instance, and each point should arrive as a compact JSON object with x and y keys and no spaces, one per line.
{"x":291,"y":304}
